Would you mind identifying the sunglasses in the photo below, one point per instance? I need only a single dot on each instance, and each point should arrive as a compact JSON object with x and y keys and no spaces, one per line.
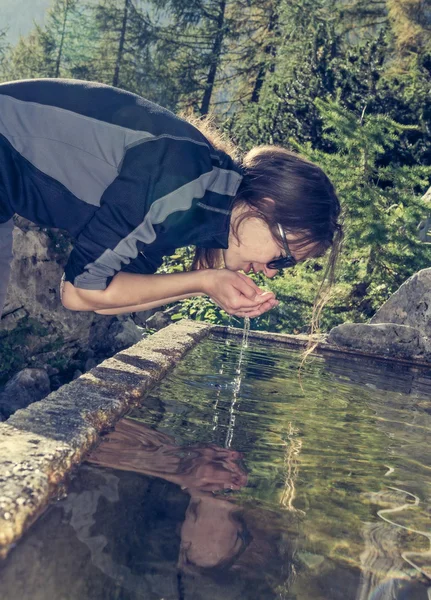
{"x":284,"y":262}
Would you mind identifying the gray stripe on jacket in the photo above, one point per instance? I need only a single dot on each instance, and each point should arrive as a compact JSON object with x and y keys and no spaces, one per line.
{"x":221,"y":181}
{"x":82,"y":153}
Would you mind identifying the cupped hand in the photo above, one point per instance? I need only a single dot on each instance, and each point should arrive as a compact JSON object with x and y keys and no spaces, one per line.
{"x":237,"y":294}
{"x":211,"y":469}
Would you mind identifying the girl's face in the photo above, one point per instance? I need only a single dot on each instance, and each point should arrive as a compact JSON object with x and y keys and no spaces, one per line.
{"x":256,"y":246}
{"x":209,"y":535}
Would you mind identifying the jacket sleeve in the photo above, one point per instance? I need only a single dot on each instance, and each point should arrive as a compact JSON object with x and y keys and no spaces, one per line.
{"x":157,"y":179}
{"x":147,"y":261}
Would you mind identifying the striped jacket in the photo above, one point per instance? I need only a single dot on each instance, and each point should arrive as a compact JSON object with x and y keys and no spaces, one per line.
{"x":126,"y":178}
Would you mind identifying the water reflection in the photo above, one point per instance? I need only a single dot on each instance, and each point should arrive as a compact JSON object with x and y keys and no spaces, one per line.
{"x":326,"y":496}
{"x":378,"y":374}
{"x":212,"y":535}
{"x":216,"y":535}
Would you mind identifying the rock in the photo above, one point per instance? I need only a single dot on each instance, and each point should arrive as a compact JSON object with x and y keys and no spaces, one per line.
{"x":158,"y":320}
{"x":310,"y":560}
{"x":47,"y":360}
{"x":86,"y":354}
{"x":90,"y":364}
{"x":56,"y":382}
{"x":77,"y":374}
{"x":161,"y":318}
{"x":52,"y":370}
{"x":141,"y":318}
{"x":27,"y":386}
{"x":76,"y":365}
{"x":388,"y":339}
{"x":9,"y":321}
{"x":124,"y":333}
{"x":172,"y":310}
{"x":410,"y":304}
{"x":400,"y":328}
{"x":33,"y":306}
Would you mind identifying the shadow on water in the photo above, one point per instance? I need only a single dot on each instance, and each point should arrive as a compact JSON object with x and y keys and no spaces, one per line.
{"x":233,"y":482}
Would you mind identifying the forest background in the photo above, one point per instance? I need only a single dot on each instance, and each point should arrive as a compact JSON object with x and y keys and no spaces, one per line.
{"x":345,"y":83}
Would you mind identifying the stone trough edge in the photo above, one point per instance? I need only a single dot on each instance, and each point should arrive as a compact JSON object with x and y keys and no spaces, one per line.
{"x":42,"y":444}
{"x":301,"y":340}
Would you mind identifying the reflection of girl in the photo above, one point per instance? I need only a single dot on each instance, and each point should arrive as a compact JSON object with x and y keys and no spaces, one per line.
{"x":215,"y":534}
{"x":134,"y":446}
{"x":211,"y":534}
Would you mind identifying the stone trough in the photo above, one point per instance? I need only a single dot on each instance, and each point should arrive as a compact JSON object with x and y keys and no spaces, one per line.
{"x":42,"y":444}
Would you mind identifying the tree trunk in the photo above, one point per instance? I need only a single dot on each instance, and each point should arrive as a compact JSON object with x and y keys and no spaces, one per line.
{"x":216,"y":52}
{"x":121,"y":44}
{"x":270,"y":50}
{"x":63,"y":34}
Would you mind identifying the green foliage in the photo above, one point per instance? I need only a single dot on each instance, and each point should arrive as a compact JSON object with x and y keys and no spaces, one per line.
{"x":347,"y":85}
{"x":3,"y":45}
{"x":382,"y":207}
{"x":14,"y":345}
{"x":360,"y":78}
{"x":382,"y":204}
{"x":201,"y":308}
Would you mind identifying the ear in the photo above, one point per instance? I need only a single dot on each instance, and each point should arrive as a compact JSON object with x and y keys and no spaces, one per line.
{"x":270,"y":204}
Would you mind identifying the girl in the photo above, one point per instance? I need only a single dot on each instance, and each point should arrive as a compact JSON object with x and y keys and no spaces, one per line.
{"x":131,"y":182}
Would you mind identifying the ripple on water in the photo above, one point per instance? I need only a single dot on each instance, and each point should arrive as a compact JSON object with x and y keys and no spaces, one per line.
{"x":288,"y":490}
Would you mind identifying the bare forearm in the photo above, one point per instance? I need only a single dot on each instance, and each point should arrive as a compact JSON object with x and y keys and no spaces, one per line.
{"x":128,"y":290}
{"x":140,"y":307}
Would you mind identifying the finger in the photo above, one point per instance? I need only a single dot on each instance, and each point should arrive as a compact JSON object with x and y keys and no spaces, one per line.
{"x":257,"y":311}
{"x":240,"y":305}
{"x":247,"y":278}
{"x":241,"y":302}
{"x":249,"y":281}
{"x":235,"y":300}
{"x":250,"y":292}
{"x":267,"y":296}
{"x":243,"y":315}
{"x":257,"y":289}
{"x":264,"y":308}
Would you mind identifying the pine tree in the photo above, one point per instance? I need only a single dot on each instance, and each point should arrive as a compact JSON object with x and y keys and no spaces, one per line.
{"x":382,"y":206}
{"x":297,"y":70}
{"x":3,"y":49}
{"x":266,"y":64}
{"x":27,"y":59}
{"x":61,"y":37}
{"x":121,"y":45}
{"x":196,"y":34}
{"x":357,"y":77}
{"x":220,"y":50}
{"x":362,"y":19}
{"x":54,"y":50}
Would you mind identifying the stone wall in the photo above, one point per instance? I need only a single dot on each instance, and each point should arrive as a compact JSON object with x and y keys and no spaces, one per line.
{"x":36,"y":331}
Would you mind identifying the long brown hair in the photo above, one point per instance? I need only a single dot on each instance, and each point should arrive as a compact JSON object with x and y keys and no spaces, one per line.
{"x":304,"y":202}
